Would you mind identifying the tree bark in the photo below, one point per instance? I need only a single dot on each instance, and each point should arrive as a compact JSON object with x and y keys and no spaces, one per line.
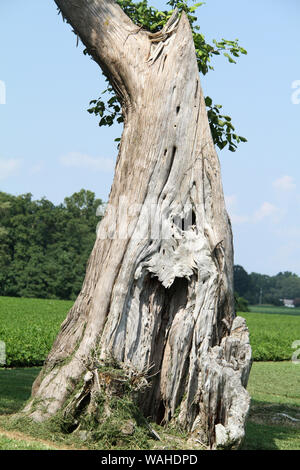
{"x":157,"y":298}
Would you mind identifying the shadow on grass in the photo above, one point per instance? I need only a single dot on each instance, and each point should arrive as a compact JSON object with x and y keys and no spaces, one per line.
{"x":266,"y":428}
{"x":269,"y":428}
{"x":15,"y":388}
{"x":265,"y":437}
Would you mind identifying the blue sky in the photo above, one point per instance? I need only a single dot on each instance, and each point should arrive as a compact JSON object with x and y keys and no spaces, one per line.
{"x":50,"y":146}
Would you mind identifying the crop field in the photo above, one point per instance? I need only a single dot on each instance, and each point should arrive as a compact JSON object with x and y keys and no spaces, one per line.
{"x":272,"y":336}
{"x":271,"y":309}
{"x":273,"y":423}
{"x":29,"y":327}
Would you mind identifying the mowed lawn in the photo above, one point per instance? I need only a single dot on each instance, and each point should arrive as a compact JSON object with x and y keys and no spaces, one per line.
{"x":15,"y":388}
{"x":273,"y":423}
{"x":274,"y":419}
{"x":29,"y":327}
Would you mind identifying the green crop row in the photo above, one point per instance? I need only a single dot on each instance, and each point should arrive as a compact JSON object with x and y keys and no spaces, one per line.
{"x":272,"y":335}
{"x":272,"y":309}
{"x":29,"y":326}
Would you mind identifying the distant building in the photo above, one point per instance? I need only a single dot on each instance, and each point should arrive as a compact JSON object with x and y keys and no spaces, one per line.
{"x":288,"y":303}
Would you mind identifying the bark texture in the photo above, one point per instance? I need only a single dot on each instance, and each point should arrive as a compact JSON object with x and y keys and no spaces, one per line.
{"x":157,"y":300}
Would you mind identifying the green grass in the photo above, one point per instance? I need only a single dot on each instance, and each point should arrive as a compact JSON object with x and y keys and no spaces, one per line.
{"x":271,"y":336}
{"x":15,"y":388}
{"x":274,"y":388}
{"x":271,"y":309}
{"x":275,"y":392}
{"x":277,"y":382}
{"x":8,"y":443}
{"x":106,"y":435}
{"x":270,"y":437}
{"x":29,"y":328}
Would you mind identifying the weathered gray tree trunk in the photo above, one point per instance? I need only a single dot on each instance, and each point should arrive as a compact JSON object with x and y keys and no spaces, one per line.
{"x":157,"y":300}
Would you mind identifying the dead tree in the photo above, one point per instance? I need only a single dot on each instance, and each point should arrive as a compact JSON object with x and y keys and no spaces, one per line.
{"x":158,"y":293}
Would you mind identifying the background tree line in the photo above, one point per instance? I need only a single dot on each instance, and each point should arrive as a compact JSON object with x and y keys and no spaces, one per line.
{"x":260,"y":288}
{"x":44,"y":249}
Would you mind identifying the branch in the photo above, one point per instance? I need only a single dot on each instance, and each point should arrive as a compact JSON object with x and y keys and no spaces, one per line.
{"x":110,"y":38}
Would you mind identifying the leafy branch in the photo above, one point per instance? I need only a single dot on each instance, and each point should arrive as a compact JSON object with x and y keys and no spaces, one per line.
{"x":149,"y":18}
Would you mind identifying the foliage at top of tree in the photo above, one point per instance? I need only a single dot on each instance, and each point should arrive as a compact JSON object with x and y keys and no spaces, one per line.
{"x":149,"y":18}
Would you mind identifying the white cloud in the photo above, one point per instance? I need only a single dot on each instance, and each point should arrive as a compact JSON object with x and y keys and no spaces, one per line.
{"x":266,"y":210}
{"x":9,"y":167}
{"x":285,"y":183}
{"x":79,"y":160}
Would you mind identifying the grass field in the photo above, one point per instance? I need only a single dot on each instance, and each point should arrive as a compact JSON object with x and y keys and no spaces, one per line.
{"x":271,"y":309}
{"x":12,"y":442}
{"x":272,"y":336}
{"x":15,"y":387}
{"x":274,"y":388}
{"x":275,"y":394}
{"x":29,"y":327}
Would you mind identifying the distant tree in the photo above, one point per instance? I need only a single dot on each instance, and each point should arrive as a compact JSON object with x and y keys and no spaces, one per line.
{"x":242,"y":280}
{"x":241,"y":304}
{"x":44,"y":248}
{"x":297,"y":302}
{"x":270,"y":289}
{"x":4,"y":241}
{"x":288,"y":285}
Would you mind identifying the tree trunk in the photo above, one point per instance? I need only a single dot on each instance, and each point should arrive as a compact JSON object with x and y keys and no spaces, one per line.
{"x":157,"y":299}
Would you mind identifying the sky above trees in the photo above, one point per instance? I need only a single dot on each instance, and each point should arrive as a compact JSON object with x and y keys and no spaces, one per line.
{"x":50,"y":146}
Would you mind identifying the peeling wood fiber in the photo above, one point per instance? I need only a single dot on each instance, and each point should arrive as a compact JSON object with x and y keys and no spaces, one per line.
{"x":161,"y":303}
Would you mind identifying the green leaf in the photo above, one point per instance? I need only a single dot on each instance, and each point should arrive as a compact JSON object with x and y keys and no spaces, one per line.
{"x":151,"y":19}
